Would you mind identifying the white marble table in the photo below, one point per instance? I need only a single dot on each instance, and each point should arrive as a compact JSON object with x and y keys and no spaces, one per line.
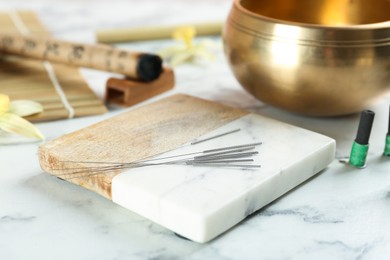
{"x":342,"y":213}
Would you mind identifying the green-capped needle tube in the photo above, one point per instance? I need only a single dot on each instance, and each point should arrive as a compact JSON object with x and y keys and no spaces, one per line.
{"x":387,"y":142}
{"x":360,"y":145}
{"x":358,"y":155}
{"x":387,"y":146}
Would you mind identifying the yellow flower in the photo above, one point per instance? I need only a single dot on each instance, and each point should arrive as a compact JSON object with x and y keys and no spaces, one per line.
{"x":185,"y":34}
{"x":11,"y":114}
{"x":188,"y":51}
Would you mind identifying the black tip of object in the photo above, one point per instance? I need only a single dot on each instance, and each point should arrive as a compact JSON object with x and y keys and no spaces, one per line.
{"x":365,"y":125}
{"x":149,"y":67}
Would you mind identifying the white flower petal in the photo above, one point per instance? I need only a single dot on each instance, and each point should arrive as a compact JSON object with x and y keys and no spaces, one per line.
{"x":25,"y":107}
{"x":15,"y":124}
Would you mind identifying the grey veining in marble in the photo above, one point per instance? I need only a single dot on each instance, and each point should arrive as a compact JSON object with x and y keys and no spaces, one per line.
{"x":200,"y":203}
{"x":342,"y":213}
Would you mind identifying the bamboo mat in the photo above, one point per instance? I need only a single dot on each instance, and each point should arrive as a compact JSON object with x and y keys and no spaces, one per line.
{"x":59,"y":88}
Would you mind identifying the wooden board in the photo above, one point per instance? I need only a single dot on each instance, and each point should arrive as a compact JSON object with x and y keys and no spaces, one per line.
{"x":29,"y":79}
{"x":198,"y":202}
{"x":140,"y":133}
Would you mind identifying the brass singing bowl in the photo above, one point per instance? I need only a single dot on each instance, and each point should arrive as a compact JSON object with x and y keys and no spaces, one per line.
{"x":316,"y":57}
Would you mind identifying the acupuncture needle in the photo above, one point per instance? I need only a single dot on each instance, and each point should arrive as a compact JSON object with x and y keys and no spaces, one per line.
{"x":235,"y":148}
{"x":207,"y":155}
{"x":87,"y":171}
{"x":224,"y":163}
{"x":118,"y":164}
{"x":192,"y":143}
{"x":221,"y":161}
{"x":212,"y":157}
{"x":244,"y":166}
{"x":83,"y":174}
{"x":216,"y":156}
{"x":232,"y":149}
{"x":215,"y":136}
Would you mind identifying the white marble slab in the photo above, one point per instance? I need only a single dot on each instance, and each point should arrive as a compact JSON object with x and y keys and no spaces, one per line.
{"x":200,"y":203}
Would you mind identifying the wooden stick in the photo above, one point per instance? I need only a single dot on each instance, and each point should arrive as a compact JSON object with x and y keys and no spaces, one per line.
{"x":142,"y":66}
{"x":153,"y":33}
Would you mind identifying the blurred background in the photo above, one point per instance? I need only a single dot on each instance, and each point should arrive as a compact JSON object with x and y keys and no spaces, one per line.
{"x":79,"y":20}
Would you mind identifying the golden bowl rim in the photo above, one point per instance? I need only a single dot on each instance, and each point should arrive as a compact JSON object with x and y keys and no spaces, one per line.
{"x":368,"y":26}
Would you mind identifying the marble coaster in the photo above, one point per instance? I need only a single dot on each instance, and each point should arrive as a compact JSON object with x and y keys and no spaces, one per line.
{"x":200,"y":203}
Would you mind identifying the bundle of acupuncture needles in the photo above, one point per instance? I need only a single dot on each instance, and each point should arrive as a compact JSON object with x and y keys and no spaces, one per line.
{"x":238,"y":156}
